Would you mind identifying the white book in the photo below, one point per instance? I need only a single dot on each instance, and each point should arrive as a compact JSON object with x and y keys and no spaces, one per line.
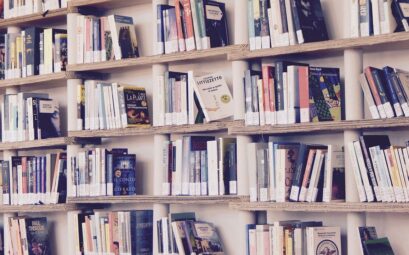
{"x":403,"y":170}
{"x":20,"y":195}
{"x":270,"y":13}
{"x":186,"y":165}
{"x":106,"y":106}
{"x":376,"y":17}
{"x":292,"y":75}
{"x":279,"y":157}
{"x":115,"y":97}
{"x":382,"y":184}
{"x":262,"y":239}
{"x":97,"y":167}
{"x":357,"y":174}
{"x":315,"y":174}
{"x":368,"y":97}
{"x":111,"y":108}
{"x":334,"y":159}
{"x":177,"y":179}
{"x":385,"y":173}
{"x":261,"y":102}
{"x":398,"y":168}
{"x":196,"y":25}
{"x":252,"y":171}
{"x":191,"y":102}
{"x":80,"y":38}
{"x":212,"y":163}
{"x":364,"y":172}
{"x":159,"y":101}
{"x":354,"y":18}
{"x":388,"y":24}
{"x":271,"y":173}
{"x":165,"y":235}
{"x":165,"y":169}
{"x":395,"y":180}
{"x":214,"y":96}
{"x":183,"y":115}
{"x":284,"y":116}
{"x":102,"y":164}
{"x":278,"y":238}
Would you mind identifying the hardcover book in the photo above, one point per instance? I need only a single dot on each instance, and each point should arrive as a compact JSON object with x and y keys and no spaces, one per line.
{"x":214,"y":96}
{"x":124,"y":175}
{"x":216,"y":23}
{"x":136,"y":106}
{"x":37,"y":236}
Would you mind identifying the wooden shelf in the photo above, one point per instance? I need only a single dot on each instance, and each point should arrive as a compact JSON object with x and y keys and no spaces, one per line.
{"x":36,"y":79}
{"x":215,"y":53}
{"x":158,"y":199}
{"x":106,"y":4}
{"x":342,"y":207}
{"x":45,"y":143}
{"x":240,"y":129}
{"x":37,"y":208}
{"x":147,"y":130}
{"x":331,"y":46}
{"x":34,"y":19}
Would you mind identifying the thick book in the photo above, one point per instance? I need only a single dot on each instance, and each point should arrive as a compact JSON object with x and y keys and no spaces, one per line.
{"x":214,"y":96}
{"x":136,"y":106}
{"x":216,"y":23}
{"x":37,"y":236}
{"x":124,"y":174}
{"x":123,"y":34}
{"x":309,"y":22}
{"x":141,"y":232}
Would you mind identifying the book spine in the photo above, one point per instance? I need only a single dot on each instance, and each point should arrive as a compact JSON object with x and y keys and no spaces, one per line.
{"x":299,"y":173}
{"x":378,"y":79}
{"x":374,"y":182}
{"x":375,"y":94}
{"x":369,"y":98}
{"x":257,"y":23}
{"x":181,"y":35}
{"x":364,"y":172}
{"x":365,"y":18}
{"x":354,"y":14}
{"x":376,"y":19}
{"x":190,"y":35}
{"x":392,"y":92}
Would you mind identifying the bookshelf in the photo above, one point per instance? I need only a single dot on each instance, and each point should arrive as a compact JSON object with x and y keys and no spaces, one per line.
{"x":351,"y":54}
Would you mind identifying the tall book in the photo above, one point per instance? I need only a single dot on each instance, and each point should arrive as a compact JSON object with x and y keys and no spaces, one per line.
{"x":124,"y":39}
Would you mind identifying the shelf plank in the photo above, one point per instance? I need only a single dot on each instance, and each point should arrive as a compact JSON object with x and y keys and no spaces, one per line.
{"x":107,"y":4}
{"x":33,"y":19}
{"x":45,"y":143}
{"x":342,"y":207}
{"x":148,"y":130}
{"x":158,"y":199}
{"x":36,"y":79}
{"x":147,"y":61}
{"x":330,"y":46}
{"x":331,"y":126}
{"x":37,"y":208}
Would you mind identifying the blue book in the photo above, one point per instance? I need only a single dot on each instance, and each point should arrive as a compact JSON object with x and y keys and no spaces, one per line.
{"x":299,"y":172}
{"x":124,"y":175}
{"x":391,"y":89}
{"x":142,"y":232}
{"x":400,"y":14}
{"x":109,"y":167}
{"x":37,"y":236}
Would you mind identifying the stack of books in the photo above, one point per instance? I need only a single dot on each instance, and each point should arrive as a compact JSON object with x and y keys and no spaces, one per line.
{"x":281,"y":172}
{"x":191,"y":25}
{"x":16,"y":8}
{"x":290,"y":92}
{"x":293,"y":237}
{"x":199,"y":166}
{"x":274,"y":23}
{"x":102,"y":172}
{"x":380,"y":170}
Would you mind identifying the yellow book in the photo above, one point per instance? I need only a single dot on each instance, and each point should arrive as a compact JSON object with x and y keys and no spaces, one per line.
{"x":19,"y":53}
{"x":108,"y":237}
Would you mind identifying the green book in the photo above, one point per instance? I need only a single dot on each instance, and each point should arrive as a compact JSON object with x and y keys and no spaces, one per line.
{"x":379,"y":246}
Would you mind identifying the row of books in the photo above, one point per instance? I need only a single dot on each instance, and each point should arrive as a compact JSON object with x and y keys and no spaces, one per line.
{"x":28,"y":235}
{"x":34,"y":179}
{"x":34,"y":51}
{"x":375,"y":17}
{"x":102,"y":172}
{"x":105,"y":38}
{"x":380,"y":170}
{"x":293,"y":237}
{"x":274,"y":23}
{"x":386,"y":91}
{"x":200,"y":165}
{"x":16,"y":8}
{"x":183,"y":98}
{"x":29,"y":116}
{"x":371,"y":244}
{"x":191,"y":25}
{"x":182,"y":234}
{"x":282,"y":171}
{"x":105,"y":105}
{"x":290,"y":93}
{"x":112,"y":232}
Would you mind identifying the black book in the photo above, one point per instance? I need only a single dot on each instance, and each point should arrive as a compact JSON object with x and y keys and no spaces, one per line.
{"x":48,"y":121}
{"x":216,"y":23}
{"x":309,"y":21}
{"x":299,"y":172}
{"x":37,"y":236}
{"x":2,"y":57}
{"x":32,"y":45}
{"x":62,"y":179}
{"x":5,"y":168}
{"x":136,"y":106}
{"x":142,"y":232}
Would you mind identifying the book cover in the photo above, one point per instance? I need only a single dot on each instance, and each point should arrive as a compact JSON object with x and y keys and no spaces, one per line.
{"x":181,"y":24}
{"x":32,"y":45}
{"x":142,"y":232}
{"x":393,"y":90}
{"x":400,"y":10}
{"x":207,"y":238}
{"x":320,"y":95}
{"x":136,"y":106}
{"x":216,"y":23}
{"x":124,"y":174}
{"x":326,"y":240}
{"x":214,"y":96}
{"x":6,"y":182}
{"x":37,"y":236}
{"x":123,"y":34}
{"x":60,"y":52}
{"x":367,"y":233}
{"x":311,"y":20}
{"x":48,"y":118}
{"x":379,"y":246}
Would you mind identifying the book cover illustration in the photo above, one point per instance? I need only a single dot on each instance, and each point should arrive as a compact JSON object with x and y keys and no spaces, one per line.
{"x":312,"y":20}
{"x":338,"y":176}
{"x":37,"y":236}
{"x":331,"y":89}
{"x":327,"y":240}
{"x":323,"y":109}
{"x":125,"y":32}
{"x":48,"y":119}
{"x":216,"y":24}
{"x":61,"y":52}
{"x":124,"y":170}
{"x":136,"y":106}
{"x":207,"y":238}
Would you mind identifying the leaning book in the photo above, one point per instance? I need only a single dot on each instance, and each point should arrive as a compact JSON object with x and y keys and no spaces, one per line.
{"x":214,"y":96}
{"x":136,"y":106}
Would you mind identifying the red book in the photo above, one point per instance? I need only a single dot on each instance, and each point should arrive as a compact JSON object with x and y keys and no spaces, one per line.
{"x":372,"y":86}
{"x":267,"y":75}
{"x":24,"y":174}
{"x":188,"y":22}
{"x":181,"y":36}
{"x":304,"y":93}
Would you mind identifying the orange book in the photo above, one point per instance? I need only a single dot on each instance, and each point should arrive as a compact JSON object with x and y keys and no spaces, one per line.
{"x":181,"y":36}
{"x":307,"y":174}
{"x":88,"y":238}
{"x":372,"y":86}
{"x":304,"y":93}
{"x":24,"y":175}
{"x":266,"y":73}
{"x":188,"y":22}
